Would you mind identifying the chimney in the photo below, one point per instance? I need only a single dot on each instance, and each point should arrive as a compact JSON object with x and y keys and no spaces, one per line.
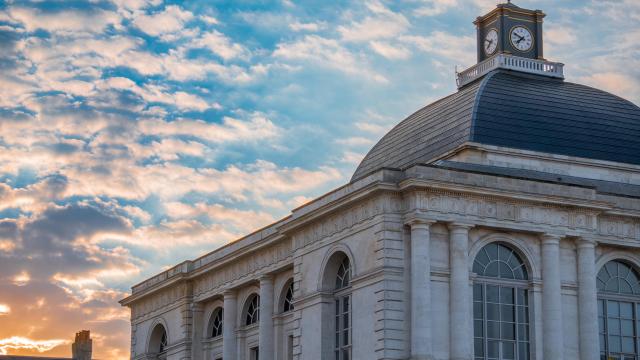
{"x":81,"y":348}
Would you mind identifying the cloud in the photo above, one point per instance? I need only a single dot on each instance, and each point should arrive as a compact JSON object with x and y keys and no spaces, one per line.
{"x":4,"y":309}
{"x":171,"y":19}
{"x":22,"y":343}
{"x":220,"y":45}
{"x":389,"y":51}
{"x":450,"y":46}
{"x":311,"y":26}
{"x":257,"y":127}
{"x":160,"y":94}
{"x":327,"y":53}
{"x":383,"y":24}
{"x":435,"y":7}
{"x":65,"y":21}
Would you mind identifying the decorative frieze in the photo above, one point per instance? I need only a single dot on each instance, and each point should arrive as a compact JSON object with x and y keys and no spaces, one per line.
{"x":503,"y":209}
{"x":161,"y":300}
{"x":335,"y":223}
{"x":619,"y":227}
{"x":242,"y":266}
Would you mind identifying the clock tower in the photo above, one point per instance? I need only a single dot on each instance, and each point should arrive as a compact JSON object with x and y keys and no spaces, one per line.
{"x":509,"y":29}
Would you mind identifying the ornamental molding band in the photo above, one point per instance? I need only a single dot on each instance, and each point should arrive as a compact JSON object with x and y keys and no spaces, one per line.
{"x":618,"y":226}
{"x":245,"y":266}
{"x":389,"y":202}
{"x":583,"y":220}
{"x":162,"y":300}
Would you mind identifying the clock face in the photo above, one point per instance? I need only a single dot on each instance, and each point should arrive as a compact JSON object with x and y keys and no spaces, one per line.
{"x":521,"y":38}
{"x":491,"y":42}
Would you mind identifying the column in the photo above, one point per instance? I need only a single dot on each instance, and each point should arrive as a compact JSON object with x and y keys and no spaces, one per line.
{"x":459,"y":292}
{"x":266,"y":318}
{"x":197,"y":322}
{"x":588,"y":300}
{"x":420,"y":290}
{"x":551,"y":298}
{"x":229,"y":317}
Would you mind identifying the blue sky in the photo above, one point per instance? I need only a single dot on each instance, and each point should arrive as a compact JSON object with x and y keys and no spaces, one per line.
{"x":139,"y":133}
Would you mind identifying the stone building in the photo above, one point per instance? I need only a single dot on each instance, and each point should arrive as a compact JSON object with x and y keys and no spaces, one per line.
{"x":500,"y":222}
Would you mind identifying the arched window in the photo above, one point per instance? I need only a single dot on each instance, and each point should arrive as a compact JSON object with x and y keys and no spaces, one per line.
{"x":215,"y":323}
{"x":344,"y":274}
{"x":500,"y":305}
{"x":158,"y":341}
{"x":287,"y":305}
{"x":343,"y":311}
{"x":618,"y":307}
{"x":252,"y":312}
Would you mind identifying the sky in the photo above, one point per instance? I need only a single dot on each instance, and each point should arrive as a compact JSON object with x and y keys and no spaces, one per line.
{"x":135,"y":134}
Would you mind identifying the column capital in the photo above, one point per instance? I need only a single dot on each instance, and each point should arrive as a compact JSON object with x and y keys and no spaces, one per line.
{"x":586,"y":242}
{"x":265,"y":278}
{"x":550,"y":239}
{"x":455,"y":225}
{"x":229,"y":294}
{"x":196,"y":306}
{"x":417,"y":219}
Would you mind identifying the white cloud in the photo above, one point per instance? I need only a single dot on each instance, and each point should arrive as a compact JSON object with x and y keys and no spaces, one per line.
{"x":219,"y":44}
{"x":161,"y":94}
{"x":460,"y":49}
{"x":383,"y":24}
{"x":389,"y":51}
{"x":171,"y":19}
{"x":435,"y":7}
{"x":328,"y":53}
{"x":311,"y":26}
{"x":67,"y":21}
{"x":23,"y":343}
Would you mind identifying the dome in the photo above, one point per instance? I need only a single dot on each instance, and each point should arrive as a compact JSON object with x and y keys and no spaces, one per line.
{"x":514,"y":110}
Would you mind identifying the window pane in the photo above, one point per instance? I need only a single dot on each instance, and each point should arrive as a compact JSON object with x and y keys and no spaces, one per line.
{"x":477,"y":310}
{"x":493,"y":270}
{"x":627,"y":345}
{"x":505,"y":271}
{"x":508,"y":351}
{"x":614,"y":343}
{"x":492,"y":293}
{"x":493,"y":329}
{"x":478,"y":328}
{"x":493,"y":312}
{"x":626,"y":310}
{"x":478,"y":346}
{"x":614,"y":326}
{"x":477,"y":292}
{"x":506,"y":295}
{"x":627,"y":327}
{"x":507,"y":313}
{"x":613,"y":308}
{"x":492,"y":348}
{"x":508,"y":331}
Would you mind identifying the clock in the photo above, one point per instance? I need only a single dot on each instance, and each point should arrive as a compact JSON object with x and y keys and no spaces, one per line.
{"x":491,"y":42}
{"x":521,"y":38}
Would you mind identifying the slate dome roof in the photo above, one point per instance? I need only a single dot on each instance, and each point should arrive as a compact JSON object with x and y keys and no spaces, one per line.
{"x":515,"y":110}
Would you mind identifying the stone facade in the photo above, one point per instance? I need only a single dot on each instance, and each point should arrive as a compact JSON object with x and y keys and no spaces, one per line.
{"x":410,"y":238}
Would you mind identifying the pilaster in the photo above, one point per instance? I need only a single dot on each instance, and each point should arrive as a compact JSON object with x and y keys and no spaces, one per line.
{"x":587,"y":300}
{"x":229,"y":343}
{"x":460,"y":295}
{"x":551,"y":298}
{"x":421,"y":346}
{"x":266,"y":318}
